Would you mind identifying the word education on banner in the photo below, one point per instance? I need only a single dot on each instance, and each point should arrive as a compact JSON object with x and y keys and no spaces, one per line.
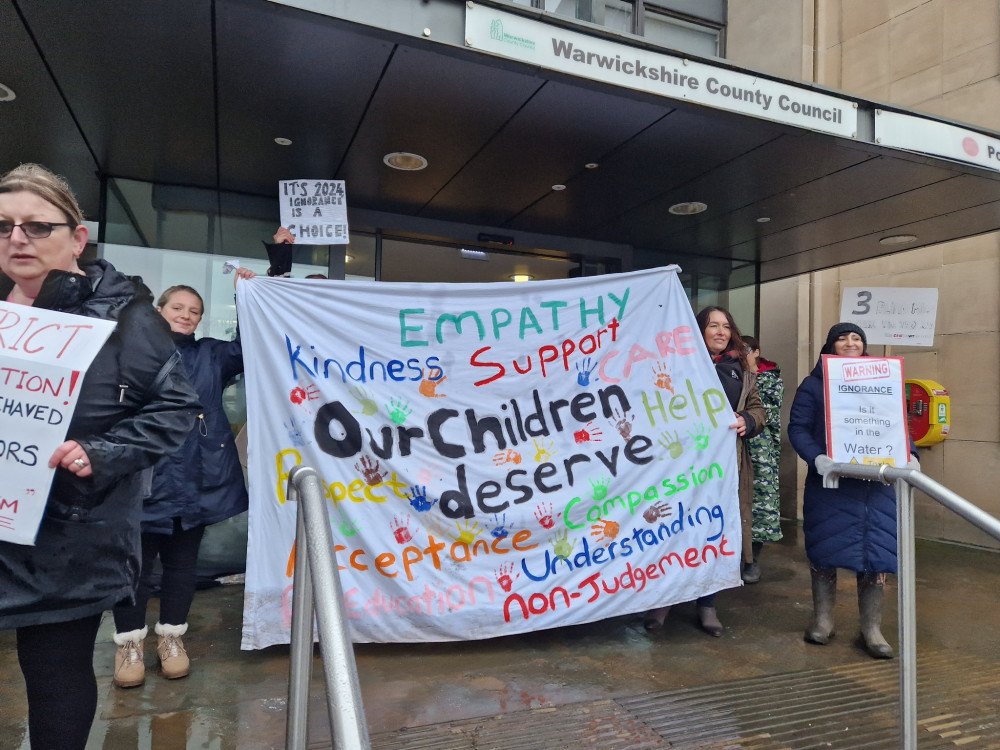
{"x":866,"y":410}
{"x":496,"y":458}
{"x":43,"y":358}
{"x":314,"y":211}
{"x":892,"y":315}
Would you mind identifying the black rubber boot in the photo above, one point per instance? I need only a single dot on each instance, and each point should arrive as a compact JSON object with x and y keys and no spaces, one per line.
{"x":824,"y":591}
{"x":751,"y":571}
{"x":871,"y":587}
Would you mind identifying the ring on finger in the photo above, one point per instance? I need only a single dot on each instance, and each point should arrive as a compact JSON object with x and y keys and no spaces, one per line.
{"x":80,"y":462}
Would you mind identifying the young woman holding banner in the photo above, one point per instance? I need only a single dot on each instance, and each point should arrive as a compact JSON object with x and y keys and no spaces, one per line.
{"x":134,"y":406}
{"x":725,"y":345}
{"x":853,"y":526}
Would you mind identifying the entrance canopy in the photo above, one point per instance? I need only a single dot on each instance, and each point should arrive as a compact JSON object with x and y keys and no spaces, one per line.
{"x":194,"y":93}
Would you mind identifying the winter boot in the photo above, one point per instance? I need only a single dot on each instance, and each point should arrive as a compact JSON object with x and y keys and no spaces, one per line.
{"x":655,"y":618}
{"x":173,"y":658}
{"x":709,"y":621}
{"x":824,"y":590}
{"x":129,"y":669}
{"x":870,"y":592}
{"x":751,"y":571}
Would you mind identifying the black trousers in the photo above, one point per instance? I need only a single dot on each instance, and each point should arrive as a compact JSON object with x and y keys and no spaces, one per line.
{"x":178,"y":553}
{"x":57,"y":662}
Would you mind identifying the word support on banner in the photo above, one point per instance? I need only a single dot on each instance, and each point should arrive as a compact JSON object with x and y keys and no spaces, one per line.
{"x":496,"y":458}
{"x":866,"y":410}
{"x":43,"y":358}
{"x":314,"y":211}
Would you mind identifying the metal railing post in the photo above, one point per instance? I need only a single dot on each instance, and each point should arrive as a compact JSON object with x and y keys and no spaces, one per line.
{"x":907,"y":613}
{"x":315,"y":552}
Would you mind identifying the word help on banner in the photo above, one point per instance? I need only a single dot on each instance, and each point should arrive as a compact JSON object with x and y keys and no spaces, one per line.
{"x":497,"y":458}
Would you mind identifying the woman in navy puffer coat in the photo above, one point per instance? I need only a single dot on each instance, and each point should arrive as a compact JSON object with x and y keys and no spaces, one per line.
{"x":853,"y":526}
{"x":198,"y":485}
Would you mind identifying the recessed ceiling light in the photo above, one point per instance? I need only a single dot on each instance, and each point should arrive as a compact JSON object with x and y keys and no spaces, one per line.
{"x":897,"y":239}
{"x":687,"y":209}
{"x":763,"y":219}
{"x":591,"y":165}
{"x":7,"y":94}
{"x":405,"y":161}
{"x":348,"y":258}
{"x":521,"y":277}
{"x":558,"y":187}
{"x":475,"y":254}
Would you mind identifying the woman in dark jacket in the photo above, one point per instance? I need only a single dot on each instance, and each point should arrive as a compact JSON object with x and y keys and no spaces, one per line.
{"x":198,"y":485}
{"x":853,"y":526}
{"x":728,"y":352}
{"x":134,"y":406}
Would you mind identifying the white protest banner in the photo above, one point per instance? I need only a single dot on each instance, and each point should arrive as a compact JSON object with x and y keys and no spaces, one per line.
{"x":892,"y":315}
{"x":866,"y":410}
{"x":43,"y":358}
{"x":497,"y":458}
{"x":314,"y":211}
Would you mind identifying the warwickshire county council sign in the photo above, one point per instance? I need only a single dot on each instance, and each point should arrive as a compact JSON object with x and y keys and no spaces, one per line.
{"x":555,"y":48}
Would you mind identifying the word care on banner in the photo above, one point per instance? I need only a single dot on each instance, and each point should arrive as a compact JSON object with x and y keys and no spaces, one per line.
{"x":43,"y":358}
{"x":314,"y":211}
{"x":866,"y":410}
{"x":892,"y":315}
{"x":495,"y":458}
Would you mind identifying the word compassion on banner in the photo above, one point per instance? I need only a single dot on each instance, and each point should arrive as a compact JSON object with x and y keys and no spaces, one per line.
{"x":43,"y":357}
{"x":497,"y":458}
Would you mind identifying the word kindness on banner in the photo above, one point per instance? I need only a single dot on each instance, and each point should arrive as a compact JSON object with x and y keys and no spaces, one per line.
{"x":43,"y":357}
{"x":496,"y":458}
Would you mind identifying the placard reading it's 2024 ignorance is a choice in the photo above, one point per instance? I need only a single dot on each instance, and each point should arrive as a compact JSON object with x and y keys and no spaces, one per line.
{"x":314,"y":211}
{"x":866,"y":410}
{"x":43,"y":358}
{"x":496,"y":458}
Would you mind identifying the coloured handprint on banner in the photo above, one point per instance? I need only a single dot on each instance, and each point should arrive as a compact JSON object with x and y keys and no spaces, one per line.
{"x":398,"y":410}
{"x":418,"y":499}
{"x":590,"y":433}
{"x":368,"y":405}
{"x":504,"y":578}
{"x":299,"y":395}
{"x":347,"y":526}
{"x":544,"y":453}
{"x":543,"y":514}
{"x":599,"y":488}
{"x":623,"y":423}
{"x":427,"y":474}
{"x":428,"y":387}
{"x":466,"y":534}
{"x":672,"y":443}
{"x":661,"y":377}
{"x":295,"y":433}
{"x":700,"y":437}
{"x":656,"y":511}
{"x":562,"y":546}
{"x":502,"y":529}
{"x":370,"y":470}
{"x":583,"y":370}
{"x":401,"y":530}
{"x":605,"y":531}
{"x":509,"y":456}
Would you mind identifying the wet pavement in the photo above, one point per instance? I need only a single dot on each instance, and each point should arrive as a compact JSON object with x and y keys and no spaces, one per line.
{"x":420,"y":695}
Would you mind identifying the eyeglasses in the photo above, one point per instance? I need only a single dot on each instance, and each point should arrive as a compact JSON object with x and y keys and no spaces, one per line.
{"x":35,"y":230}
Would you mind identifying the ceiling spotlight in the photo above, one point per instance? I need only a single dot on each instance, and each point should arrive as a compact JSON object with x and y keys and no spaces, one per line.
{"x":475,"y":254}
{"x":558,"y":187}
{"x":763,"y":219}
{"x":7,"y":93}
{"x":405,"y":161}
{"x":591,"y":165}
{"x":283,"y":141}
{"x":348,"y":258}
{"x":521,"y":277}
{"x":687,"y":209}
{"x":898,"y":239}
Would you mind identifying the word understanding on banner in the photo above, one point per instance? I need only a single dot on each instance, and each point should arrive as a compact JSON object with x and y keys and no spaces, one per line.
{"x":19,"y":333}
{"x":555,"y":315}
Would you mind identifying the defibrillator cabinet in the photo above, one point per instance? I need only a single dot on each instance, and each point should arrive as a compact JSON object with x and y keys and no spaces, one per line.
{"x":928,"y":412}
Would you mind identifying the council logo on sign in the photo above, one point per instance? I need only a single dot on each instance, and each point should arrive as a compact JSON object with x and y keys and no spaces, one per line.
{"x":970,"y":146}
{"x":498,"y":34}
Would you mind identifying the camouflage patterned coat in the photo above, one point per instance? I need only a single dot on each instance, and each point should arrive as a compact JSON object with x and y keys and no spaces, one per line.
{"x":765,"y":453}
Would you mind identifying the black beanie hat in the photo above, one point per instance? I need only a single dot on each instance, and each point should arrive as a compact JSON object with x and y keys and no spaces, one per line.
{"x":839,"y":330}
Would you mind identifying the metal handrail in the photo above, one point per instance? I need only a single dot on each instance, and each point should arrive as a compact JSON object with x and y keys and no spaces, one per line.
{"x":906,"y":480}
{"x":317,"y":585}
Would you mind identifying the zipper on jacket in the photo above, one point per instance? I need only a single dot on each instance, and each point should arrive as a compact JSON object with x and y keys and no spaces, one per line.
{"x":121,"y":393}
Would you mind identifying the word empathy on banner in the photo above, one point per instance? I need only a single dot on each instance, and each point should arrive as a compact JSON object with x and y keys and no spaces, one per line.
{"x":43,"y":358}
{"x":314,"y":211}
{"x":866,"y":410}
{"x":496,"y":458}
{"x":892,"y":315}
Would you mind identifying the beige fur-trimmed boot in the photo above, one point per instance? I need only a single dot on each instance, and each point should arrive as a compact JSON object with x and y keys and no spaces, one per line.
{"x":174,"y":662}
{"x":129,"y":668}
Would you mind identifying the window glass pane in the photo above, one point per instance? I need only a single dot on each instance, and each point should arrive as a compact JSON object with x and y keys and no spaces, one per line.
{"x":618,"y":15}
{"x":681,"y":35}
{"x":404,"y":260}
{"x":561,"y":7}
